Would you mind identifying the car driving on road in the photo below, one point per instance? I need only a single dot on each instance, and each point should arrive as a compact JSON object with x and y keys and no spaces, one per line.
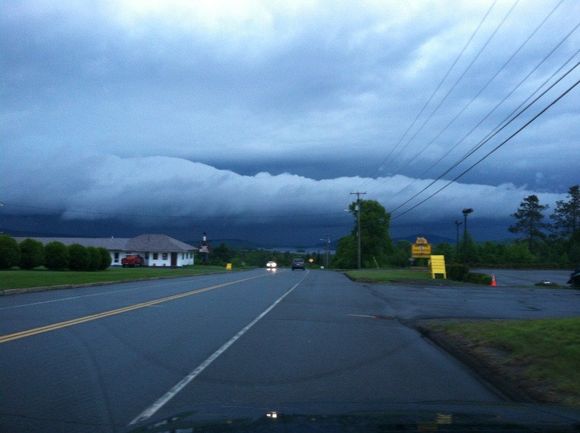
{"x":298,"y":263}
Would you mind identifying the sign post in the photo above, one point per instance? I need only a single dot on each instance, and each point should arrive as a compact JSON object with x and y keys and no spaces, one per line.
{"x":437,"y":266}
{"x":421,"y":249}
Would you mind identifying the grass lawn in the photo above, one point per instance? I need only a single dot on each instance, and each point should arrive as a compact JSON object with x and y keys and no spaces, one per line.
{"x":389,"y":275}
{"x":548,"y":351}
{"x":18,"y":279}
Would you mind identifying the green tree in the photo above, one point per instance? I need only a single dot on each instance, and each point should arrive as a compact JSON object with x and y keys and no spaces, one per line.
{"x":574,"y":248}
{"x":445,"y":249}
{"x":468,"y":250}
{"x":9,"y":252}
{"x":94,"y":262}
{"x":529,"y":221}
{"x":401,"y":254}
{"x":221,"y":254}
{"x":56,"y":256}
{"x":105,"y":259}
{"x":78,"y":258}
{"x":519,"y":253}
{"x":375,"y":239}
{"x":346,"y":253}
{"x":31,"y":254}
{"x":566,"y":215}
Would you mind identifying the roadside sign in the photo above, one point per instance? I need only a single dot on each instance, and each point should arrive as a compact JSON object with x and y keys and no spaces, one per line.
{"x":437,"y":266}
{"x":421,"y":249}
{"x":228,"y":267}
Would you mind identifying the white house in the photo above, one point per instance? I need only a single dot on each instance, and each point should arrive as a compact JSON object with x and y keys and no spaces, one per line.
{"x":157,"y":250}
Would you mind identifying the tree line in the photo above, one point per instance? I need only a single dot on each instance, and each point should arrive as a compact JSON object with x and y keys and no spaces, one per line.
{"x":30,"y":254}
{"x":555,"y":243}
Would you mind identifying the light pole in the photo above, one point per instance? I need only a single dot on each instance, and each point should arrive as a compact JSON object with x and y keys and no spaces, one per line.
{"x":327,"y":240}
{"x":466,"y":212}
{"x":457,"y":225}
{"x":358,"y":212}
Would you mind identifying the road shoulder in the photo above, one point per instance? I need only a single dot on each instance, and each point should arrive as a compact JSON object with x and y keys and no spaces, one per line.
{"x":511,"y":374}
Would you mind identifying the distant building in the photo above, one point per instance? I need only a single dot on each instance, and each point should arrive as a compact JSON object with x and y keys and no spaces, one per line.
{"x":157,"y":250}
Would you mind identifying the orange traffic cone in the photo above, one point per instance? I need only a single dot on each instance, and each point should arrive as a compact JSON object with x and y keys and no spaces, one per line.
{"x":493,"y":282}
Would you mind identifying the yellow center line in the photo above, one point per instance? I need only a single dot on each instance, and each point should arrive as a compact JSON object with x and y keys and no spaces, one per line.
{"x":59,"y":325}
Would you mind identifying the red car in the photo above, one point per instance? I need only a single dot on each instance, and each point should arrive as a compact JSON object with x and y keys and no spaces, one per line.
{"x":132,"y":261}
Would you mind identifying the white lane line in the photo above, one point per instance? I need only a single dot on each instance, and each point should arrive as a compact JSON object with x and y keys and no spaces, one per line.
{"x":151,"y":410}
{"x":362,"y":315}
{"x":69,"y":298}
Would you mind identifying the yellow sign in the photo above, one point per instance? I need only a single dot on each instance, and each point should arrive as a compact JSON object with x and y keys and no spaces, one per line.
{"x":420,"y":249}
{"x":437,"y":266}
{"x":228,"y":267}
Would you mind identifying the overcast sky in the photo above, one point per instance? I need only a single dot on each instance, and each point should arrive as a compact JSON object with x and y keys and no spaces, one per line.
{"x":257,"y":111}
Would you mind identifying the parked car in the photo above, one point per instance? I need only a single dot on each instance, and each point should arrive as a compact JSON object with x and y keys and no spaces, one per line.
{"x":132,"y":261}
{"x":574,"y":280}
{"x":298,"y":264}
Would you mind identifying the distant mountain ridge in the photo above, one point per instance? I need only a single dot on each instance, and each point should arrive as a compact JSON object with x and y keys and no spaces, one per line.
{"x":431,"y":238}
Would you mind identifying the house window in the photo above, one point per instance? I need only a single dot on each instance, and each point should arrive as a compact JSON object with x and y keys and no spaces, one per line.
{"x":164,"y":256}
{"x":155,"y":256}
{"x":116,"y":257}
{"x":146,"y":256}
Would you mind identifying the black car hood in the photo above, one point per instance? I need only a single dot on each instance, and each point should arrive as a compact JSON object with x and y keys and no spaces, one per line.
{"x":415,"y":417}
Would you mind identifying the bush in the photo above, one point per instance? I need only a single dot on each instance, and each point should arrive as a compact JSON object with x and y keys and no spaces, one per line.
{"x":457,"y":271}
{"x":9,"y":252}
{"x":94,"y":262}
{"x":105,"y":261}
{"x":31,"y":254}
{"x":56,"y":256}
{"x":78,"y":258}
{"x":477,"y":278}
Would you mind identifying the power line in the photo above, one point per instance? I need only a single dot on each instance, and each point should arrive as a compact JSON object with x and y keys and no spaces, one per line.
{"x":467,"y":69}
{"x":485,"y":86}
{"x":502,"y":124}
{"x":475,"y":32}
{"x":486,"y":139}
{"x":506,"y":97}
{"x":464,"y":172}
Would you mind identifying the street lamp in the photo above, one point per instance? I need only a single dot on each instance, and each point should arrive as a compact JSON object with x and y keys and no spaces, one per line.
{"x":465,"y":212}
{"x":457,"y":225}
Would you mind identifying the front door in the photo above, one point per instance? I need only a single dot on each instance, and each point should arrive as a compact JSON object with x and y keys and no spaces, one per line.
{"x":174,"y":259}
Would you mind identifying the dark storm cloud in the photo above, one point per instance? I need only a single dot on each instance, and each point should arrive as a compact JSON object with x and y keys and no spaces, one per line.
{"x":268,"y":108}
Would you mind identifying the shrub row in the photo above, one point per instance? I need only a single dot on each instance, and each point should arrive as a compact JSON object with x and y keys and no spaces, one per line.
{"x":477,"y":278}
{"x":457,"y":271}
{"x":30,"y":254}
{"x":460,"y":272}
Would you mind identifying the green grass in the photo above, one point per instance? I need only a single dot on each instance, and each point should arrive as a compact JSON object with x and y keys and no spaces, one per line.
{"x":548,"y":350}
{"x":18,"y":279}
{"x":389,"y":275}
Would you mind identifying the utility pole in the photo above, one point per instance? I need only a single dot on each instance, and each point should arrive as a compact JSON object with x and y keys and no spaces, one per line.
{"x":465,"y":213}
{"x":457,"y":225}
{"x":327,"y":240}
{"x":358,"y":212}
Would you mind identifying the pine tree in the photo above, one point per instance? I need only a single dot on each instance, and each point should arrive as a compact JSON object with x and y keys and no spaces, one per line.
{"x":566,"y":215}
{"x":529,"y":221}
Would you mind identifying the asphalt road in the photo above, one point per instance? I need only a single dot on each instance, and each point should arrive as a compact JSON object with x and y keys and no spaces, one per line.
{"x":98,"y":359}
{"x":527,"y":277}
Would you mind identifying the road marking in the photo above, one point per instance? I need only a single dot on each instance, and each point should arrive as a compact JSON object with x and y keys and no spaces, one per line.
{"x":368,"y":316}
{"x":151,"y":410}
{"x":70,"y":298}
{"x":60,"y":325}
